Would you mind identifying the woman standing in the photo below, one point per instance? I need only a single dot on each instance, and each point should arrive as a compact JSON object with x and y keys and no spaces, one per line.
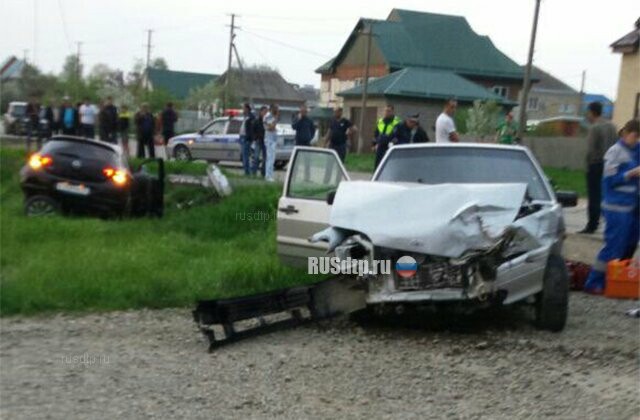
{"x":270,"y":140}
{"x":620,"y":204}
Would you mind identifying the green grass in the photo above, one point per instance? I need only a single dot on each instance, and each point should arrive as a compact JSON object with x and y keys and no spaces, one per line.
{"x":84,"y":264}
{"x":568,"y":179}
{"x":360,"y":163}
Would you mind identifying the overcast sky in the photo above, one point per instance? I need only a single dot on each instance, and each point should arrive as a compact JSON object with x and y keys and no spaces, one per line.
{"x":298,"y":36}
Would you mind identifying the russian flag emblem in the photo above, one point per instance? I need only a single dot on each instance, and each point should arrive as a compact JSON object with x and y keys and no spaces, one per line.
{"x":406,"y":267}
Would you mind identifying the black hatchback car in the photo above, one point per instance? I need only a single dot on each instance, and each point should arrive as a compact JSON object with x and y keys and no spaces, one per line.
{"x":78,"y":175}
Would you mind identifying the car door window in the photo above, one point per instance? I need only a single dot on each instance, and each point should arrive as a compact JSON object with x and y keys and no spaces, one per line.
{"x":314,"y":174}
{"x":234,"y":127}
{"x":215,"y":129}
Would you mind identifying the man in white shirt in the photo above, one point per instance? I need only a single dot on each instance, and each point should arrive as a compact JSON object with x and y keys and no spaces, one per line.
{"x":88,"y":113}
{"x":445,"y":127}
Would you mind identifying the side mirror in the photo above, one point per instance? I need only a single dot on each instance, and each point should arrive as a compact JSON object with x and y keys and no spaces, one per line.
{"x":330,"y":197}
{"x":201,"y":131}
{"x":567,"y":198}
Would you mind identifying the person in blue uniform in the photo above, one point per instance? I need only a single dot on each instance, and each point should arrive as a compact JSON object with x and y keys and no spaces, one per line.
{"x":620,"y":204}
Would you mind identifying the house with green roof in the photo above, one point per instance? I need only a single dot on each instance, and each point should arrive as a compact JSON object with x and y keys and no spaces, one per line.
{"x":418,"y":60}
{"x":177,"y":83}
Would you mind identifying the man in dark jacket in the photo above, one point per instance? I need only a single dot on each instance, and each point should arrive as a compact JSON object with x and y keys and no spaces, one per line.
{"x":32,"y":114}
{"x":168,"y":119}
{"x":109,"y":121}
{"x":145,"y":128}
{"x":409,"y":131}
{"x":68,"y":118}
{"x":260,"y":151}
{"x":305,"y":128}
{"x":246,"y":137}
{"x":600,"y":137}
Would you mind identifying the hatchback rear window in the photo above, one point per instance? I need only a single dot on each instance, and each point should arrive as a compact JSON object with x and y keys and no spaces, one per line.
{"x":84,"y":150}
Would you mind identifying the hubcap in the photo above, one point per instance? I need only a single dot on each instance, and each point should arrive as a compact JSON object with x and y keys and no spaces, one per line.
{"x":40,"y":208}
{"x":182,"y":154}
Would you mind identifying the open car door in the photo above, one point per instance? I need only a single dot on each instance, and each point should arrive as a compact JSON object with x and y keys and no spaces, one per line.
{"x":303,"y":209}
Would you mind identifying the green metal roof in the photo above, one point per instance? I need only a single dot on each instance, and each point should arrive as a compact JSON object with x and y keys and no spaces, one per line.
{"x":178,"y":83}
{"x":423,"y":83}
{"x":419,"y":39}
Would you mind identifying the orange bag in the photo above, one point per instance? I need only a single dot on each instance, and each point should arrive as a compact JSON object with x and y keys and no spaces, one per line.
{"x":623,"y":279}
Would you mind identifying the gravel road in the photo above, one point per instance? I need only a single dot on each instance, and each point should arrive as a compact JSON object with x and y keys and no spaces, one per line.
{"x":154,"y":364}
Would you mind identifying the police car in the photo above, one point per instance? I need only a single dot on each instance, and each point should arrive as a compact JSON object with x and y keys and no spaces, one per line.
{"x":220,"y":140}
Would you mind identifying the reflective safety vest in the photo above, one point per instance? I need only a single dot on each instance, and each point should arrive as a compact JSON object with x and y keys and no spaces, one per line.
{"x":389,"y":127}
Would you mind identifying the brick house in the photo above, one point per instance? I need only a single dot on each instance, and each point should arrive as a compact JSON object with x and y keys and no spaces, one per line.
{"x":418,"y":50}
{"x":628,"y":98}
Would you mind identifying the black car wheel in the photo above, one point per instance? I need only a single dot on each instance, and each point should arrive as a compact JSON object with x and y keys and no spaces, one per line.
{"x":181,"y":153}
{"x":41,"y":205}
{"x":552,"y":303}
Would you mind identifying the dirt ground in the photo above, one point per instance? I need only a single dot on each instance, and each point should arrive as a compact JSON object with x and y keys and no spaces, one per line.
{"x":154,"y":364}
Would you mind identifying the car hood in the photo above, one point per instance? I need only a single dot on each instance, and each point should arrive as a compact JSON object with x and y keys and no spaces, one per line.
{"x":185,"y":137}
{"x":446,"y":219}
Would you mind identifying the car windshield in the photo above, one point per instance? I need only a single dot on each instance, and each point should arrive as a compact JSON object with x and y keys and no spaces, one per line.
{"x":18,"y":110}
{"x":83,"y":150}
{"x":463,"y":165}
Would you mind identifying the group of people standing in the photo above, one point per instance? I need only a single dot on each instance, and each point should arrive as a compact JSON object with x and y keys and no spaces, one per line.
{"x":112,"y":124}
{"x":258,"y":140}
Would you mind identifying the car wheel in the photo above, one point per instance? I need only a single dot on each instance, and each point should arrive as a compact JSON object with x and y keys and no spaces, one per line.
{"x":552,"y":303}
{"x":41,"y":205}
{"x":181,"y":153}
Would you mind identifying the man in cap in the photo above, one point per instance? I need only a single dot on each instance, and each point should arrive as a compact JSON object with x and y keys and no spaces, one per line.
{"x":409,"y":131}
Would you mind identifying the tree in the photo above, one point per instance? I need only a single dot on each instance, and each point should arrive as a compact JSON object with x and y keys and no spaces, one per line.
{"x":159,"y":63}
{"x":71,"y":69}
{"x":103,"y":75}
{"x":205,"y":97}
{"x":482,"y":118}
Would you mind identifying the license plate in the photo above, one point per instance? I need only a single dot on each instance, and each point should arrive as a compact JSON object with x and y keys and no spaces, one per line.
{"x":76,"y":189}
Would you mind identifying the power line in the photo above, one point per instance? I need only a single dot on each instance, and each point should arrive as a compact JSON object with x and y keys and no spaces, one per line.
{"x":64,"y":23}
{"x":293,"y":47}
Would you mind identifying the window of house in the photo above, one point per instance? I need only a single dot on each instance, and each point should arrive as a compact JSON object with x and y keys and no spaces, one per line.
{"x":501,"y":91}
{"x":532,"y":103}
{"x":567,"y":108}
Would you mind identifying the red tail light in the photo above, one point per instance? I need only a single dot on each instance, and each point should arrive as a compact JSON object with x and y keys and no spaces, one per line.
{"x":37,"y":161}
{"x":118,"y":176}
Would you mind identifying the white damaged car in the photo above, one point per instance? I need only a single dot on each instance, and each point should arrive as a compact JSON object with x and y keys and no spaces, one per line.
{"x":480,"y":223}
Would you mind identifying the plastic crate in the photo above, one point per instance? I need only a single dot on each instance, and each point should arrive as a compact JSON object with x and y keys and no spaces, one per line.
{"x":623,"y":279}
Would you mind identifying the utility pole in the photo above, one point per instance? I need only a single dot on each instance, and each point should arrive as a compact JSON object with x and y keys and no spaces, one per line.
{"x":35,"y":30}
{"x":581,"y":96}
{"x":146,"y":68}
{"x":524,"y":97}
{"x":232,"y":36}
{"x":25,"y":55}
{"x":365,"y":84}
{"x":78,"y":69}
